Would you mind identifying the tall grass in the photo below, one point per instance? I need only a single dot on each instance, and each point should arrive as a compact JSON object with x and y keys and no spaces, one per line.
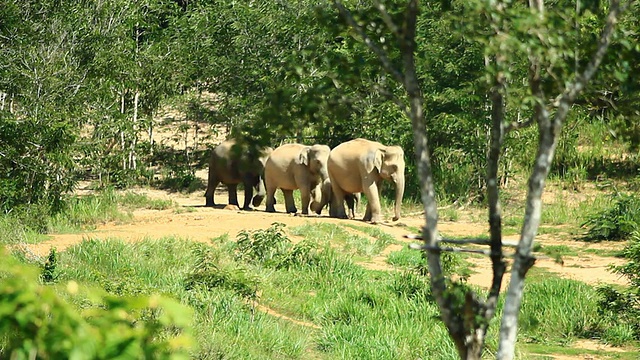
{"x":350,"y":242}
{"x":360,"y":313}
{"x":91,"y":210}
{"x":12,"y":231}
{"x":557,"y":311}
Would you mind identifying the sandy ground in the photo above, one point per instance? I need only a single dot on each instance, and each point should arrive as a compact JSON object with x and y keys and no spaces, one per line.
{"x":193,"y":221}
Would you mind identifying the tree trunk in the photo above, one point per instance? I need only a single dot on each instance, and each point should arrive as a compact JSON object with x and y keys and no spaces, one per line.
{"x":134,"y":140}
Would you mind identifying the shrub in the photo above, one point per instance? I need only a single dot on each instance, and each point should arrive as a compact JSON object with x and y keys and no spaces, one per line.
{"x":36,"y":322}
{"x":616,"y":223}
{"x":623,"y":306}
{"x":211,"y":272}
{"x":263,"y":246}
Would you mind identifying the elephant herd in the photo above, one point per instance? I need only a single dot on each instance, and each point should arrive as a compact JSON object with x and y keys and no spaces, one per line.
{"x":324,"y":176}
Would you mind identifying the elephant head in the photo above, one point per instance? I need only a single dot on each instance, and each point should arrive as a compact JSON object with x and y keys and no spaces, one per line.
{"x":315,"y":157}
{"x":389,"y":163}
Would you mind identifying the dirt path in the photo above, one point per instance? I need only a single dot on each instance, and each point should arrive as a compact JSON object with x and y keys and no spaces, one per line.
{"x":192,"y":221}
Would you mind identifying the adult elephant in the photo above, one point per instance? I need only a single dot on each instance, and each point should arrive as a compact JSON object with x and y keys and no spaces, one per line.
{"x":360,"y":165}
{"x":296,"y":166}
{"x":231,"y":165}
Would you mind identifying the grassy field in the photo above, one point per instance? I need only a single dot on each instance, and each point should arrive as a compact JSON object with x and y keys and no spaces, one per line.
{"x":260,"y":295}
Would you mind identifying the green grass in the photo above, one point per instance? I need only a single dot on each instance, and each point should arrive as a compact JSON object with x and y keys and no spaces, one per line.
{"x":556,"y":252}
{"x":557,"y":311}
{"x":132,"y":201}
{"x":406,"y":258}
{"x":12,"y":231}
{"x":362,"y":246}
{"x":107,"y":206}
{"x":361,"y":313}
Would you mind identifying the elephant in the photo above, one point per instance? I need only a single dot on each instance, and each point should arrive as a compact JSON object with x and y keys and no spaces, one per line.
{"x":231,"y":165}
{"x":352,"y":200}
{"x":297,"y":166}
{"x":360,"y":165}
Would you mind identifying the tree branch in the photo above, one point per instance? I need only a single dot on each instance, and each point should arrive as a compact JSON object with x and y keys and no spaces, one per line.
{"x":403,"y":107}
{"x":384,"y":59}
{"x":395,"y":30}
{"x":462,"y":241}
{"x":580,"y":82}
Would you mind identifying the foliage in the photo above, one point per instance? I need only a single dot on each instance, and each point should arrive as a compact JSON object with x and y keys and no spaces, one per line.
{"x":272,"y":248}
{"x":48,"y":274}
{"x":209,"y":272}
{"x":262,"y":246}
{"x":37,"y":322}
{"x":623,"y":306}
{"x":617,"y":222}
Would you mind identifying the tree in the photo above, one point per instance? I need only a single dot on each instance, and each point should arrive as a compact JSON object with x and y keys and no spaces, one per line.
{"x":514,"y":33}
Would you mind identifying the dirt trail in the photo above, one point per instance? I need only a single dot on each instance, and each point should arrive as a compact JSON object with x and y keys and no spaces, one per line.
{"x":192,"y":221}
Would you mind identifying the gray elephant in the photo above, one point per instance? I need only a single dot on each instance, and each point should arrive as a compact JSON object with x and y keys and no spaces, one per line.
{"x":360,"y":165}
{"x":231,"y":165}
{"x":296,"y":166}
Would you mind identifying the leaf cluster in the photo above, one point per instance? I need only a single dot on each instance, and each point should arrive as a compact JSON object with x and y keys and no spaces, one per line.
{"x":37,"y":321}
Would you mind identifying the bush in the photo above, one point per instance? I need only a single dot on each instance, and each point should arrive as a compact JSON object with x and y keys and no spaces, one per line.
{"x":36,"y":322}
{"x":623,"y":306}
{"x":211,"y":272}
{"x":616,"y":223}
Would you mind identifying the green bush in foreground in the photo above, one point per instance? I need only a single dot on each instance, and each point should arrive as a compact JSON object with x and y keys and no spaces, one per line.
{"x":36,"y":322}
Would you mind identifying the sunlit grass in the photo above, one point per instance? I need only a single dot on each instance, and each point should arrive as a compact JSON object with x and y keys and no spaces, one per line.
{"x":351,"y":242}
{"x":12,"y":231}
{"x":84,"y":212}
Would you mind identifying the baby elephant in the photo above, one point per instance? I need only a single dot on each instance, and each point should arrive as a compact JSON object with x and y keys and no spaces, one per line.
{"x":297,"y":166}
{"x":231,"y":165}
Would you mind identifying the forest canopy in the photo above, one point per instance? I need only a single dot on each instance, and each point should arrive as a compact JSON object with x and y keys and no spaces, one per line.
{"x":82,"y":84}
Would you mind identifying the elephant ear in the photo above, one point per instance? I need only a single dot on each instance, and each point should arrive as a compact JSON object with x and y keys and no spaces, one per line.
{"x":303,"y":157}
{"x":373,"y":159}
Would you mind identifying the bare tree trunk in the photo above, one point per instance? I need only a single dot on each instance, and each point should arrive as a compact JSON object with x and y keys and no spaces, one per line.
{"x":122,"y":141}
{"x":150,"y":132}
{"x":134,"y":140}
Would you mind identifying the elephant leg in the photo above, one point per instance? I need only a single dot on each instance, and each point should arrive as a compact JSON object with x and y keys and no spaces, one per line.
{"x":352,"y":203}
{"x":211,"y":189}
{"x":248,"y":195}
{"x":288,"y":201}
{"x":271,"y":198}
{"x":233,"y":194}
{"x":372,"y":192}
{"x":337,"y":201}
{"x":305,"y":196}
{"x":367,"y":213}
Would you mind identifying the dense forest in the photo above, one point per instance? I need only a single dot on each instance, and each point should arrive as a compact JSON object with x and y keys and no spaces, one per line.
{"x":83,"y":86}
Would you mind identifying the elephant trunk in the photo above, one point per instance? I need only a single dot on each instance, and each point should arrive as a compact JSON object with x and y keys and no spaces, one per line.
{"x":321,"y":196}
{"x":399,"y":193}
{"x":324,"y":174}
{"x":261,"y":192}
